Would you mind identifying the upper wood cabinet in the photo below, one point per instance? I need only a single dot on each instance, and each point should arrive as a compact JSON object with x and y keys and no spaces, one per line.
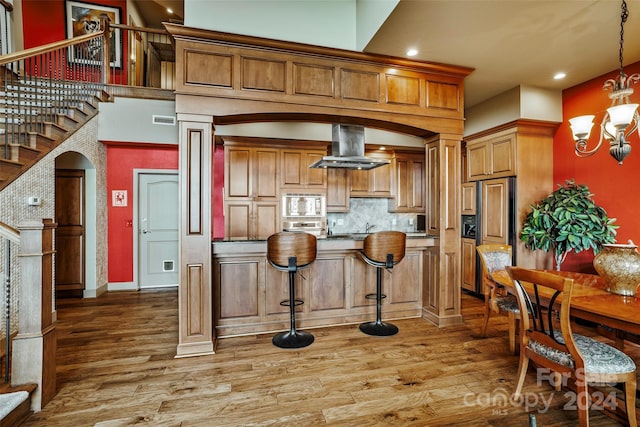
{"x":295,"y":170}
{"x":377,"y":182}
{"x":338,"y":184}
{"x":410,"y":183}
{"x":491,"y":156}
{"x":251,"y":173}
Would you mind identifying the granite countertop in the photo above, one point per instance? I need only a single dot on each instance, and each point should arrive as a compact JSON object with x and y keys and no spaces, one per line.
{"x":338,"y":236}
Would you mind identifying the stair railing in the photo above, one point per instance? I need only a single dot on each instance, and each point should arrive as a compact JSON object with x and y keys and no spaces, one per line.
{"x":10,"y":236}
{"x":37,"y":85}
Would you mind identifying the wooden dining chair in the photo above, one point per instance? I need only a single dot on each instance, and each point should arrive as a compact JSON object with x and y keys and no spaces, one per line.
{"x":547,"y":340}
{"x":496,"y":298}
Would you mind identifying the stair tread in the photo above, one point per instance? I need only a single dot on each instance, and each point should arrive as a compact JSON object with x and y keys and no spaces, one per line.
{"x":8,"y":388}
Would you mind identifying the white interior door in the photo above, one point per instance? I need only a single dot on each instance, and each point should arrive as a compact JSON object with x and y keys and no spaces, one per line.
{"x":158,"y":229}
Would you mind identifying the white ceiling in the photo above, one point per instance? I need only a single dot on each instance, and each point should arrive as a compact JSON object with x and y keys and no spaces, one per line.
{"x":507,"y":42}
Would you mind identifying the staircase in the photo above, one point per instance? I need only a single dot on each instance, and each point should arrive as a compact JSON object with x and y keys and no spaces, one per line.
{"x":36,"y":115}
{"x":15,"y":403}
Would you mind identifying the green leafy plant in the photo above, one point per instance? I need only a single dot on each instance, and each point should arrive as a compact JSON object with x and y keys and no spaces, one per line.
{"x":567,"y":220}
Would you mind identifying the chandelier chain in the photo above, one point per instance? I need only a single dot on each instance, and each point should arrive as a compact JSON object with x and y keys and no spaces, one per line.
{"x":623,"y":18}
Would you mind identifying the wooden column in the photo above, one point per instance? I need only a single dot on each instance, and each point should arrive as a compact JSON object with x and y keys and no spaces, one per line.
{"x":441,"y":296}
{"x":194,"y":292}
{"x":34,"y":348}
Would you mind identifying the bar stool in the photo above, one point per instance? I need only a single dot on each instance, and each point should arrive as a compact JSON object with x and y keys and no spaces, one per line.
{"x":383,"y":249}
{"x":290,"y":252}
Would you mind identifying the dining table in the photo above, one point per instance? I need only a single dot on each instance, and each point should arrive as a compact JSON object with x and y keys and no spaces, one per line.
{"x":591,"y":301}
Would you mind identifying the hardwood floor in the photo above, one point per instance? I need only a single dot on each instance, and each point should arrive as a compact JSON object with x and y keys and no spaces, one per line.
{"x":116,"y":367}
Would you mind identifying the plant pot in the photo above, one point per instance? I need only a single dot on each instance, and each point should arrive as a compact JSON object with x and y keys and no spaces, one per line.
{"x":619,"y":266}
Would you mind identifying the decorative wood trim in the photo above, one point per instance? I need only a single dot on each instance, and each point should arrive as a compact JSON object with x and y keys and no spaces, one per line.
{"x":194,"y":181}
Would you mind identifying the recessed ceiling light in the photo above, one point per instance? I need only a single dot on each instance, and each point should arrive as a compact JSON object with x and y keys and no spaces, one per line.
{"x":560,"y":75}
{"x":169,"y":11}
{"x":412,"y":52}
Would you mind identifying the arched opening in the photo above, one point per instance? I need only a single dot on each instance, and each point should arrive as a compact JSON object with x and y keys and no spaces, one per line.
{"x":76,"y":216}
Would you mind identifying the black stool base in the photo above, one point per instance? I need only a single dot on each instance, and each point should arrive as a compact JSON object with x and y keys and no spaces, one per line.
{"x":292,"y":339}
{"x":380,"y":329}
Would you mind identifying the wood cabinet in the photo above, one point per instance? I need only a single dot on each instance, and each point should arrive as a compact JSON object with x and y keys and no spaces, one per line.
{"x":524,"y":149}
{"x":409,"y":183}
{"x":468,"y":193}
{"x":495,"y":211}
{"x":469,"y":264}
{"x":295,"y":171}
{"x":377,"y":182}
{"x":252,"y":191}
{"x":338,"y":184}
{"x":493,"y":156}
{"x":333,"y":287}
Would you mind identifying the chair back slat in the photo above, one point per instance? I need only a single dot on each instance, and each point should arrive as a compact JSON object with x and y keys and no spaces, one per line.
{"x":547,"y":298}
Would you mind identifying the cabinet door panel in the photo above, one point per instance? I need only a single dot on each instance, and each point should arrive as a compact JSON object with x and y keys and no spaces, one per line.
{"x":238,"y":220}
{"x":477,"y":162}
{"x":403,"y":278}
{"x":469,"y":198}
{"x":291,"y":171}
{"x":469,"y":264}
{"x":238,"y":179}
{"x":417,"y":188}
{"x":265,"y":173}
{"x":359,"y":182}
{"x":241,"y":299}
{"x":495,"y":211}
{"x":502,"y":156}
{"x":337,"y":190}
{"x":267,"y":219}
{"x":403,"y":184}
{"x":327,"y":284}
{"x":315,"y":177}
{"x":363,"y":282}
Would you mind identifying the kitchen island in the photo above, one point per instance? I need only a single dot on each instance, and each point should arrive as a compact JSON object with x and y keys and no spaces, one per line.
{"x":247,"y":290}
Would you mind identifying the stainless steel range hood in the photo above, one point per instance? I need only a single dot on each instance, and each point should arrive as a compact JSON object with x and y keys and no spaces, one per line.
{"x":347,"y":150}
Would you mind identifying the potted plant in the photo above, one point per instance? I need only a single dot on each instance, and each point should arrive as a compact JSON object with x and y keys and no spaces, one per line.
{"x":567,"y":220}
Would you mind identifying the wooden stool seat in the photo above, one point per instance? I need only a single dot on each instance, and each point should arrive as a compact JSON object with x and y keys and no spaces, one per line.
{"x":291,"y":251}
{"x":382,"y":250}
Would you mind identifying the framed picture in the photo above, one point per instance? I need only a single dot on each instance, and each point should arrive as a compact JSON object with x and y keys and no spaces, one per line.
{"x":84,"y":18}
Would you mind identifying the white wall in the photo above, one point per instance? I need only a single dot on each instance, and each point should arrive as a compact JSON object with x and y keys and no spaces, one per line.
{"x":130,"y":120}
{"x":342,"y":24}
{"x":521,"y":102}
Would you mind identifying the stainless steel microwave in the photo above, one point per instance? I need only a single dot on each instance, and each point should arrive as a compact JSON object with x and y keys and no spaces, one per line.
{"x":304,"y":205}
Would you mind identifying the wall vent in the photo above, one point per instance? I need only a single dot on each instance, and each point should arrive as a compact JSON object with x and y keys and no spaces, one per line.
{"x":163,"y":120}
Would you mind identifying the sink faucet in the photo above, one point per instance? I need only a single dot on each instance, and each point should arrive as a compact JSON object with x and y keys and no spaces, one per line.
{"x":368,"y":228}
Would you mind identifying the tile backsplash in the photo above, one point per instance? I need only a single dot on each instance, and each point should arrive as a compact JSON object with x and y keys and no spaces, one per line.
{"x":372,"y":211}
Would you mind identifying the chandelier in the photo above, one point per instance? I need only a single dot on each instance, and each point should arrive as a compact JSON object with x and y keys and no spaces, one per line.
{"x":621,"y":118}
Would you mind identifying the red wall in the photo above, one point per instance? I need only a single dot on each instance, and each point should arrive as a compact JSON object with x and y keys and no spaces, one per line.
{"x":612,"y":185}
{"x":122,"y":159}
{"x":44,"y":21}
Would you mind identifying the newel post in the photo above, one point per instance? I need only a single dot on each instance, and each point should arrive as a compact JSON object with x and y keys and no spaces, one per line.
{"x":106,"y":48}
{"x":34,"y":348}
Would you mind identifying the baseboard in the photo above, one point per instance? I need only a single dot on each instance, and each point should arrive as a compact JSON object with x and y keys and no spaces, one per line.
{"x":122,"y":286}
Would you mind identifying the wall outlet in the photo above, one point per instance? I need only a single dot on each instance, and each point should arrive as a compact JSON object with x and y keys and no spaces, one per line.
{"x":410,"y":221}
{"x":340,"y":221}
{"x":394,"y":221}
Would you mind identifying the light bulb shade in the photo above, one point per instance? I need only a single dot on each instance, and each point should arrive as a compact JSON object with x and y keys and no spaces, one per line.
{"x":581,"y":126}
{"x":622,"y":115}
{"x":610,"y":131}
